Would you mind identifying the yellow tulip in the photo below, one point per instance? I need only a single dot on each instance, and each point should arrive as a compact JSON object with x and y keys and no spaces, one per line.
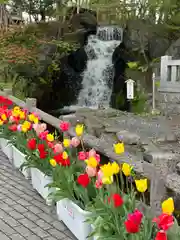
{"x":36,"y":120}
{"x":52,"y":162}
{"x":4,"y":117}
{"x":115,"y":168}
{"x":24,"y":129}
{"x":168,"y":206}
{"x":107,"y":180}
{"x":66,"y":142}
{"x":22,"y":115}
{"x":141,"y":185}
{"x":1,"y":122}
{"x":119,"y":148}
{"x":79,"y":129}
{"x":126,"y":169}
{"x":107,"y":170}
{"x":16,"y":109}
{"x":50,"y":137}
{"x":92,"y":162}
{"x":31,"y":117}
{"x":26,"y":124}
{"x":64,"y":155}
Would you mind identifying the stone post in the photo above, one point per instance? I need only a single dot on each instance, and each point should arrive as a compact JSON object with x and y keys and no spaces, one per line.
{"x":30,"y":103}
{"x":161,"y":165}
{"x":7,"y":91}
{"x":164,"y":70}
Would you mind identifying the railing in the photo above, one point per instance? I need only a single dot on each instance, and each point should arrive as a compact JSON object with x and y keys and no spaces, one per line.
{"x":170,"y":74}
{"x":157,"y":182}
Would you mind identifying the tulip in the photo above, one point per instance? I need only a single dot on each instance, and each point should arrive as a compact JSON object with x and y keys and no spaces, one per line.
{"x":92,"y":162}
{"x":92,"y":153}
{"x":91,"y":172}
{"x":58,"y":148}
{"x":107,"y":170}
{"x":79,"y":129}
{"x":107,"y":180}
{"x":126,"y":169}
{"x":52,"y":162}
{"x":115,"y":168}
{"x":66,"y":142}
{"x":50,"y":137}
{"x":119,"y":148}
{"x":168,"y":206}
{"x":141,"y":185}
{"x":64,"y":155}
{"x":75,"y":142}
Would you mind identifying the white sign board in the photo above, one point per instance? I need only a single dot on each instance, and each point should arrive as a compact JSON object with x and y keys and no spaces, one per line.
{"x":130,"y":88}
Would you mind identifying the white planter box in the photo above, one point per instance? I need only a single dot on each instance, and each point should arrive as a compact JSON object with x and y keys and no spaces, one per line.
{"x":74,"y":218}
{"x":94,"y":237}
{"x":6,"y":148}
{"x":18,"y":160}
{"x":39,"y":181}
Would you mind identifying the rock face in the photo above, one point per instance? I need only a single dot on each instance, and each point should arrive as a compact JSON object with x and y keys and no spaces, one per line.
{"x":150,"y":144}
{"x":120,"y":58}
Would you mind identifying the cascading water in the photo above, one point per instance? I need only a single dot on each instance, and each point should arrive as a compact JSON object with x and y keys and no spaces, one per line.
{"x":97,"y":78}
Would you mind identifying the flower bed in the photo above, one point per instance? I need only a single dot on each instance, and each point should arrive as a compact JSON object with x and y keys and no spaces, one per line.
{"x":87,"y":193}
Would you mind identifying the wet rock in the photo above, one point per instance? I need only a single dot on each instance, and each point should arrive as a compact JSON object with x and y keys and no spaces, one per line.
{"x":128,"y":137}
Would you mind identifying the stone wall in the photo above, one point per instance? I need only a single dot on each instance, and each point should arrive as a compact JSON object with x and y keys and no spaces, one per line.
{"x":150,"y":145}
{"x":168,"y":102}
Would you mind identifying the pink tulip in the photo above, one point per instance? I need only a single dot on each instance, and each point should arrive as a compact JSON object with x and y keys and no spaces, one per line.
{"x":43,"y":127}
{"x":98,"y":158}
{"x":91,"y":172}
{"x":99,"y":176}
{"x":82,"y":156}
{"x":42,"y":135}
{"x":75,"y":142}
{"x":92,"y":153}
{"x":58,"y":148}
{"x":11,"y":119}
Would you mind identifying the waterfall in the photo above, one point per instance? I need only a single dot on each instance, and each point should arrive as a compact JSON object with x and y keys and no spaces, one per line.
{"x":97,"y":78}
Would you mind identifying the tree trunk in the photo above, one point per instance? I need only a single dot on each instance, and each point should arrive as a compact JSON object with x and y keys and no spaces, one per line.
{"x":4,"y":17}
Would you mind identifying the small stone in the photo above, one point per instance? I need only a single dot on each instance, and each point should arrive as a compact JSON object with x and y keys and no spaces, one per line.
{"x":128,"y":137}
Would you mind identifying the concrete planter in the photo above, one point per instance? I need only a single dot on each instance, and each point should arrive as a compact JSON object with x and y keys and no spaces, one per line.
{"x":39,"y":181}
{"x":6,"y":147}
{"x":74,"y":218}
{"x":18,"y":159}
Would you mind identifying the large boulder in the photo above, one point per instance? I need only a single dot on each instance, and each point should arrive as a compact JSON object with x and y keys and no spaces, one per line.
{"x":120,"y":58}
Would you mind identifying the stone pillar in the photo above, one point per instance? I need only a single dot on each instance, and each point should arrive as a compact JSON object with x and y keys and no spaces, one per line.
{"x":164,"y":71}
{"x":161,"y":165}
{"x":7,"y":91}
{"x":30,"y":103}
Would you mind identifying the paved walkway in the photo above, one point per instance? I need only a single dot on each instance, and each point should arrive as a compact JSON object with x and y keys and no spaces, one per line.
{"x":23,"y":213}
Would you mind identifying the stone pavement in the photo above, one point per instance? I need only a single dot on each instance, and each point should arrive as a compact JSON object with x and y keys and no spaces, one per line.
{"x":23,"y":213}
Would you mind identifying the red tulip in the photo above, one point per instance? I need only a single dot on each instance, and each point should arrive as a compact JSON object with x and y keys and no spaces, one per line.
{"x":164,"y":221}
{"x":136,"y":217}
{"x":43,"y":154}
{"x":133,"y":222}
{"x":41,"y":147}
{"x":31,"y":144}
{"x":63,"y":162}
{"x":13,"y":127}
{"x":83,"y":180}
{"x":64,"y":126}
{"x":161,"y":236}
{"x":117,"y":200}
{"x":131,"y":227}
